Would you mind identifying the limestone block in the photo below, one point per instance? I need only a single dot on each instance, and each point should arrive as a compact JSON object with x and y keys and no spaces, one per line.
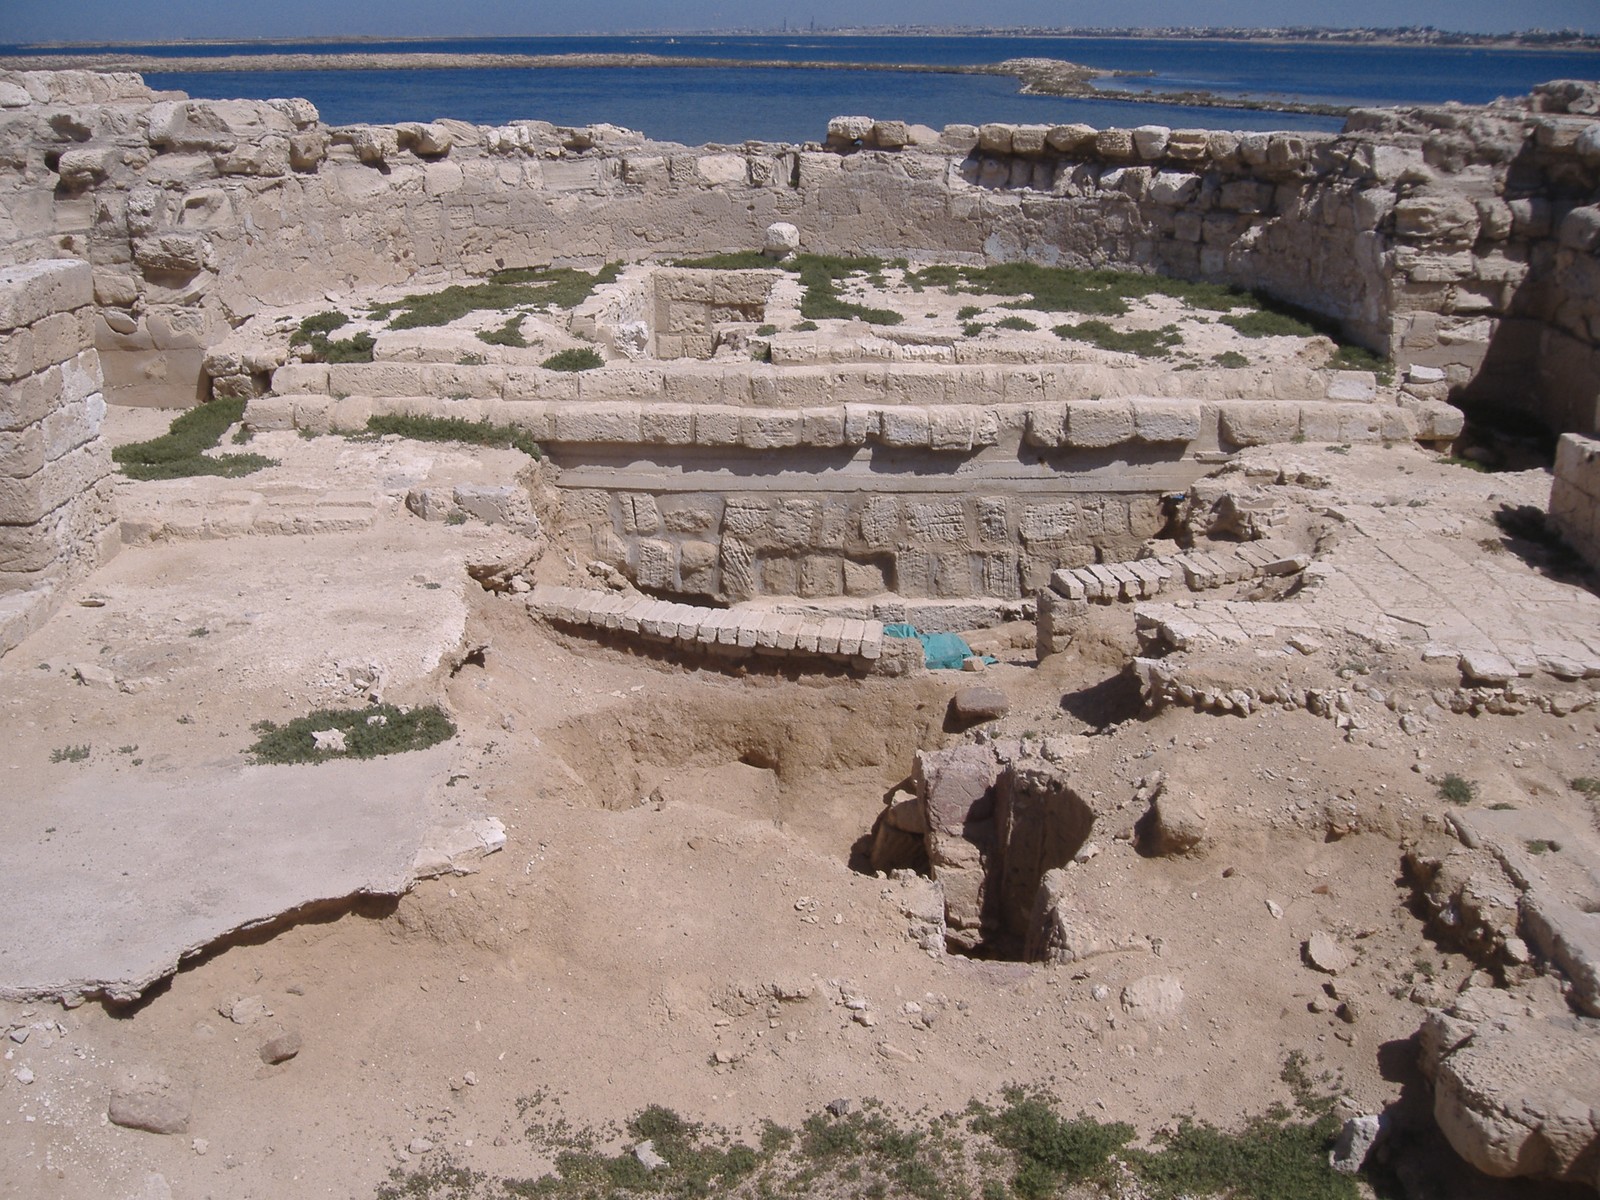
{"x":667,"y":424}
{"x":1437,"y":217}
{"x":1159,"y":421}
{"x":620,"y":383}
{"x":1070,"y":139}
{"x":453,"y":380}
{"x":863,"y":579}
{"x":722,"y":170}
{"x":1187,"y":145}
{"x":994,"y":138}
{"x":717,"y":426}
{"x":905,"y":426}
{"x":656,"y":565}
{"x":72,"y":425}
{"x":1174,"y":188}
{"x":951,"y":428}
{"x":430,"y":140}
{"x":25,"y":501}
{"x":375,"y":145}
{"x":1115,"y":144}
{"x":780,"y":240}
{"x":173,"y":253}
{"x":1029,"y":139}
{"x":768,"y":429}
{"x":300,"y":113}
{"x":536,"y":383}
{"x":879,"y":521}
{"x":861,"y":423}
{"x":849,"y":130}
{"x":1246,"y":196}
{"x":1049,"y":524}
{"x":1353,"y":386}
{"x":308,"y":149}
{"x":1099,"y":423}
{"x":697,"y":567}
{"x":597,"y":423}
{"x":1046,"y":425}
{"x":777,"y":578}
{"x":942,"y":521}
{"x":822,"y":427}
{"x":21,"y":452}
{"x":32,"y":291}
{"x":820,"y":575}
{"x":890,"y":135}
{"x":1150,"y":141}
{"x":1258,"y":422}
{"x":1580,"y":229}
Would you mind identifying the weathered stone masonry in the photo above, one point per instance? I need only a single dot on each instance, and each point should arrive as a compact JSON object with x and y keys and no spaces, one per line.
{"x":55,"y":493}
{"x":1462,"y":239}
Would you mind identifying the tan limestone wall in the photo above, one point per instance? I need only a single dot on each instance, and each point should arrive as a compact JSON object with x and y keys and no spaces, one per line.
{"x":1445,"y":235}
{"x":56,"y":520}
{"x":1575,"y":495}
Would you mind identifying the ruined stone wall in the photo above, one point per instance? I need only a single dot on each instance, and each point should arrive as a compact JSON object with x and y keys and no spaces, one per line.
{"x":1445,"y":235}
{"x":1575,"y":495}
{"x":55,"y":492}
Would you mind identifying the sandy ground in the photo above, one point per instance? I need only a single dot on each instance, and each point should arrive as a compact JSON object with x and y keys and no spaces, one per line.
{"x":677,"y":839}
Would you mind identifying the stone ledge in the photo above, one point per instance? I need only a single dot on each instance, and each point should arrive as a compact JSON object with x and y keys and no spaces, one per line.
{"x":767,"y":632}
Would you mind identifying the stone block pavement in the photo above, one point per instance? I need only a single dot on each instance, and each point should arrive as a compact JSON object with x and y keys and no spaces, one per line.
{"x":1416,"y":574}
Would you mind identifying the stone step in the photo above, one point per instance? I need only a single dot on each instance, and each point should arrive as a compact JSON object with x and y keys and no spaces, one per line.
{"x":763,"y":631}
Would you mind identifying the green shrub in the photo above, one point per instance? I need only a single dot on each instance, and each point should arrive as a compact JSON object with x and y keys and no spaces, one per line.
{"x":536,"y":287}
{"x":1589,"y":785}
{"x":578,"y":358}
{"x":1269,"y":323}
{"x":820,"y":275}
{"x":1050,"y":1151}
{"x":72,"y":754}
{"x":454,"y":429}
{"x":1230,"y":358}
{"x":766,"y":330}
{"x":1021,"y":324}
{"x":368,"y":733}
{"x":311,"y":336}
{"x":509,"y":334}
{"x":1268,"y":1160}
{"x":967,"y":311}
{"x":738,"y":260}
{"x":973,"y":328}
{"x":177,"y":454}
{"x":807,"y":327}
{"x":1147,"y":343}
{"x":1457,"y":790}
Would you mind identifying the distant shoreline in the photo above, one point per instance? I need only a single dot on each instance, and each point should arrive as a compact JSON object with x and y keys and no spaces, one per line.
{"x":1036,"y":76}
{"x":1418,"y":39}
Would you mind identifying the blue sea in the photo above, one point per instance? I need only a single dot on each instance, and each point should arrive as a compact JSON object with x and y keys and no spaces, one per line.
{"x":731,"y":105}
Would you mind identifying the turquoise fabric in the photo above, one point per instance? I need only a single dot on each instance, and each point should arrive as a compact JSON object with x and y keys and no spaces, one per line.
{"x":940,"y":651}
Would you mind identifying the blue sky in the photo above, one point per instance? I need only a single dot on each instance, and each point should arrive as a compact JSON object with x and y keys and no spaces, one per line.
{"x":135,"y":20}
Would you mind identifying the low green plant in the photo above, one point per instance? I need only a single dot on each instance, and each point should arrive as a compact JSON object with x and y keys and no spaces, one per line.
{"x":368,"y":733}
{"x":967,"y":311}
{"x":807,"y":327}
{"x":72,"y":754}
{"x":766,"y":330}
{"x":1230,"y":358}
{"x":1589,"y":785}
{"x":1541,"y":845}
{"x":179,"y":453}
{"x":576,"y":358}
{"x":738,"y":260}
{"x":1270,"y":323}
{"x":1021,"y":324}
{"x":509,"y":334}
{"x":1268,"y":1160}
{"x":454,"y":429}
{"x":1457,"y":790}
{"x":1050,"y":1152}
{"x":820,"y":275}
{"x":311,"y":338}
{"x":1350,"y":357}
{"x":973,"y":328}
{"x":537,"y":287}
{"x":1146,"y":343}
